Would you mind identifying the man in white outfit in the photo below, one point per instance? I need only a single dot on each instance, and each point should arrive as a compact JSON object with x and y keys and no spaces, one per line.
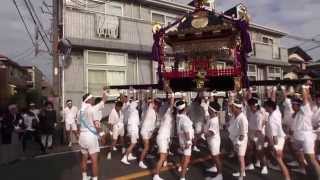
{"x":276,"y":135}
{"x":164,"y":135}
{"x":238,"y":133}
{"x":70,"y":114}
{"x":257,"y":117}
{"x":116,"y":125}
{"x":186,"y":134}
{"x":316,"y":122}
{"x":133,"y":131}
{"x":147,"y":129}
{"x":197,"y":116}
{"x":90,"y":133}
{"x":212,"y":134}
{"x":304,"y":137}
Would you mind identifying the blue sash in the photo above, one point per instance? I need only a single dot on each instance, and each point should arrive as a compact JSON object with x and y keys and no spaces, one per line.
{"x":84,"y":124}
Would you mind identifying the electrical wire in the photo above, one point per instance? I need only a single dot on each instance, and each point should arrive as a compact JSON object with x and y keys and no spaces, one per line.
{"x":23,"y":21}
{"x":36,"y":23}
{"x":313,"y":48}
{"x":301,"y":44}
{"x":21,"y":53}
{"x":24,"y":56}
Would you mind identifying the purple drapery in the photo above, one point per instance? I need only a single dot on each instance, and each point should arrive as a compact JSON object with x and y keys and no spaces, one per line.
{"x":246,"y":48}
{"x":156,"y":47}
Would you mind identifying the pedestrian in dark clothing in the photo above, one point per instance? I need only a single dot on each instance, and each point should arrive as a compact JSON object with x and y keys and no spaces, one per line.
{"x":11,"y":120}
{"x":48,"y":119}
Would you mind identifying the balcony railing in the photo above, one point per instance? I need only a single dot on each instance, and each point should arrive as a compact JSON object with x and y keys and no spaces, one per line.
{"x":267,"y":51}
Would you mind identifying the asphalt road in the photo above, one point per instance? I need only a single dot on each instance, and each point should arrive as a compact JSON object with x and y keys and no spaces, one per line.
{"x":65,"y":166}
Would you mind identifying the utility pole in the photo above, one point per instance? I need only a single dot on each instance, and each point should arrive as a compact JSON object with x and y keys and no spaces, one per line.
{"x":55,"y":53}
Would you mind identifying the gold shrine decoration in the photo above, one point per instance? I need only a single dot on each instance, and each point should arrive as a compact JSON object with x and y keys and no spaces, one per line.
{"x":200,"y":79}
{"x":200,"y":20}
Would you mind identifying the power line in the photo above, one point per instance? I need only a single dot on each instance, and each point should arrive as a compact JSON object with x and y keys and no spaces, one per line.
{"x":24,"y":56}
{"x":301,"y":44}
{"x":38,"y":20}
{"x":23,"y":21}
{"x":21,"y":53}
{"x":313,"y":48}
{"x":36,"y":23}
{"x":302,"y":39}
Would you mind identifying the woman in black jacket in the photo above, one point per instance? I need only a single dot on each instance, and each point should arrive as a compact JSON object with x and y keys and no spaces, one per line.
{"x":48,"y":118}
{"x":10,"y":121}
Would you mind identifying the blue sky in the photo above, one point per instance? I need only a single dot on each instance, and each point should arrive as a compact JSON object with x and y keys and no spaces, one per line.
{"x":296,"y":17}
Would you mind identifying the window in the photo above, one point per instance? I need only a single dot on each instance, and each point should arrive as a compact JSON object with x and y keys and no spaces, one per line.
{"x":170,"y":20}
{"x":252,"y":74}
{"x":274,"y":73}
{"x":158,"y":18}
{"x":267,"y":40}
{"x":30,"y":76}
{"x":115,"y":10}
{"x":162,"y":19}
{"x":135,"y":11}
{"x":116,"y":59}
{"x":105,"y":58}
{"x":276,"y":52}
{"x":97,"y":58}
{"x":96,"y":80}
{"x":105,"y":69}
{"x":252,"y":69}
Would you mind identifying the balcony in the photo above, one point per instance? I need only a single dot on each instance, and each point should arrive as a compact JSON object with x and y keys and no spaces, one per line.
{"x":93,"y":29}
{"x":269,"y":52}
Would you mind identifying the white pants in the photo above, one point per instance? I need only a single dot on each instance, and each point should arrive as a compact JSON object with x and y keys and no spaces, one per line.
{"x":117,"y":130}
{"x":186,"y":151}
{"x":133,"y":132}
{"x":280,"y":145}
{"x":163,"y":144}
{"x":71,"y":127}
{"x":242,"y":148}
{"x":146,"y":133}
{"x":305,"y":142}
{"x":89,"y":143}
{"x":214,"y":145}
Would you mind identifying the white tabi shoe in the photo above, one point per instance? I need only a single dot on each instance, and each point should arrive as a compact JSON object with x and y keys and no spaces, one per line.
{"x":264,"y":170}
{"x":238,"y":174}
{"x":212,"y":169}
{"x":196,"y":149}
{"x":124,"y":160}
{"x":142,"y":165}
{"x":131,"y":157}
{"x":257,"y":164}
{"x":109,"y":155}
{"x":157,"y":177}
{"x":250,"y":167}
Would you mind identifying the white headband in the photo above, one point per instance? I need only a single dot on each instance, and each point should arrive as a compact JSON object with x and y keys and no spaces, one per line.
{"x":181,"y":107}
{"x":89,"y":97}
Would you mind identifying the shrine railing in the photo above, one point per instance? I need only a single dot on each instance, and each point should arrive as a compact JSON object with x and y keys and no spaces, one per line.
{"x":215,"y":72}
